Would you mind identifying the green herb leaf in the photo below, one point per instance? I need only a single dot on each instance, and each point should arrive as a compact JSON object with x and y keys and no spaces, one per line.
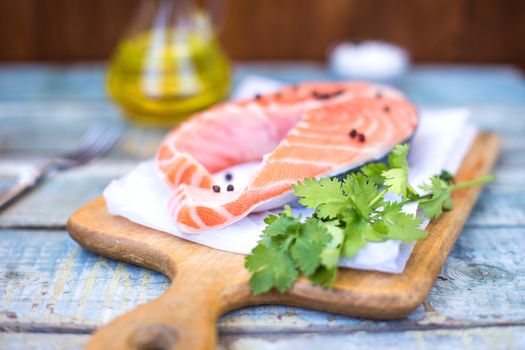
{"x":324,"y":195}
{"x":440,"y":198}
{"x":400,"y":225}
{"x":324,"y":276}
{"x":332,"y":251}
{"x":398,"y":157}
{"x":358,"y":232}
{"x":360,"y":191}
{"x":354,"y":241}
{"x":282,"y":225}
{"x":270,"y":267}
{"x":446,"y":176}
{"x":397,"y":181}
{"x":307,"y":248}
{"x":396,"y":178}
{"x":374,"y":171}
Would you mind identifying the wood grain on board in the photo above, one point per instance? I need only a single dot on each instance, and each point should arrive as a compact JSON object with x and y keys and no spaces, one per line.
{"x":207,"y":282}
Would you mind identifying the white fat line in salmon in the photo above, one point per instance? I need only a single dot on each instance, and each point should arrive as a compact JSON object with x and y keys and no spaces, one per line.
{"x":300,"y":161}
{"x":369,"y":130}
{"x":182,"y":169}
{"x":275,"y":184}
{"x":313,"y":135}
{"x":195,"y":217}
{"x":389,"y":127}
{"x":196,"y":178}
{"x":222,"y":211}
{"x":328,"y":127}
{"x":287,"y":143}
{"x":175,"y":205}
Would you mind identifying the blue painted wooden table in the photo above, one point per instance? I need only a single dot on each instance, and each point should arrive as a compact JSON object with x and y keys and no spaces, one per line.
{"x":53,"y":293}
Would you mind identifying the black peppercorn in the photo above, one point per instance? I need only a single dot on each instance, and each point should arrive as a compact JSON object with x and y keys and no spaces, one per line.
{"x":216,"y":188}
{"x":229,"y":188}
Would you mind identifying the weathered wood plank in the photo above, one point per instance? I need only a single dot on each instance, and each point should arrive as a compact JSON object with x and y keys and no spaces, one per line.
{"x":489,"y":338}
{"x":501,"y":203}
{"x":437,"y":85}
{"x":476,"y":338}
{"x":449,"y":85}
{"x":425,"y":84}
{"x":67,"y":191}
{"x":55,"y":126}
{"x":42,"y":341}
{"x":51,"y":284}
{"x":46,"y":276}
{"x":484,"y":276}
{"x":33,"y":81}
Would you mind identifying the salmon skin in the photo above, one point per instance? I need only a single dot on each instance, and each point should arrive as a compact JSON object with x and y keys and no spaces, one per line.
{"x":310,"y":130}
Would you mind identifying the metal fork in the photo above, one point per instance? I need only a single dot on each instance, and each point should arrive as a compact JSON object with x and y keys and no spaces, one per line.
{"x":95,"y":142}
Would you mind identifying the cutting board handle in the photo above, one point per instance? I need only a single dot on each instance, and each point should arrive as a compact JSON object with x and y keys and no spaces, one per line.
{"x":184,"y":317}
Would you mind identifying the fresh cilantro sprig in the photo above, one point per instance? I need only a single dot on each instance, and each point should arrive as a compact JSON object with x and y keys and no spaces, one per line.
{"x":288,"y":246}
{"x":440,"y":189}
{"x":348,"y":214}
{"x":396,"y":177}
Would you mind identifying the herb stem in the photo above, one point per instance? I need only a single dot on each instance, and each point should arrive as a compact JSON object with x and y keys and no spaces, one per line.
{"x":458,"y":186}
{"x":476,"y":182}
{"x":417,"y":199}
{"x":377,"y":197}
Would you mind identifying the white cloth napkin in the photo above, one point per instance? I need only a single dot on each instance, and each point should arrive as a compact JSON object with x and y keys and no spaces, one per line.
{"x":441,"y":141}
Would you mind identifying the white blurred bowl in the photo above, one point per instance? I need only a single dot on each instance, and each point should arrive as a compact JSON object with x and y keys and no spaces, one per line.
{"x":370,"y":60}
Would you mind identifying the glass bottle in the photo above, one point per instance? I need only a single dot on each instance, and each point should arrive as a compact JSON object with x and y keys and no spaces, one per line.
{"x":169,"y":65}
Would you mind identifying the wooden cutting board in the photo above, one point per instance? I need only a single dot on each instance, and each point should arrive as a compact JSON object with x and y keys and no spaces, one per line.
{"x":207,"y":282}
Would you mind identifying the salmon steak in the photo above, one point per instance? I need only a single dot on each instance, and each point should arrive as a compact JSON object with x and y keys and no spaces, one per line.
{"x":310,"y":130}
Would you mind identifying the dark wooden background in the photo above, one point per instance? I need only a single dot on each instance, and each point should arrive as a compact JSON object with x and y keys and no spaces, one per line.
{"x":473,"y":31}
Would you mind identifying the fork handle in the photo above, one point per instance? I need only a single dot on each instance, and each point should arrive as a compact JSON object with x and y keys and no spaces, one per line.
{"x":21,"y":183}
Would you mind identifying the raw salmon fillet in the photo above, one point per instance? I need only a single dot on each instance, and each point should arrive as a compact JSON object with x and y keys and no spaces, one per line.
{"x":311,"y":130}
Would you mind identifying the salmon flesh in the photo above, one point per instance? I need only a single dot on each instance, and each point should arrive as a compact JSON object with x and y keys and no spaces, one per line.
{"x":310,"y":130}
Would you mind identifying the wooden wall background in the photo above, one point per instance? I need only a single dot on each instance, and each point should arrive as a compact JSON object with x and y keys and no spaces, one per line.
{"x":433,"y":30}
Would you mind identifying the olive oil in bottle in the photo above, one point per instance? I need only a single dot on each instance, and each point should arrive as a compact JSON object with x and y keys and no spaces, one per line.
{"x":176,"y":67}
